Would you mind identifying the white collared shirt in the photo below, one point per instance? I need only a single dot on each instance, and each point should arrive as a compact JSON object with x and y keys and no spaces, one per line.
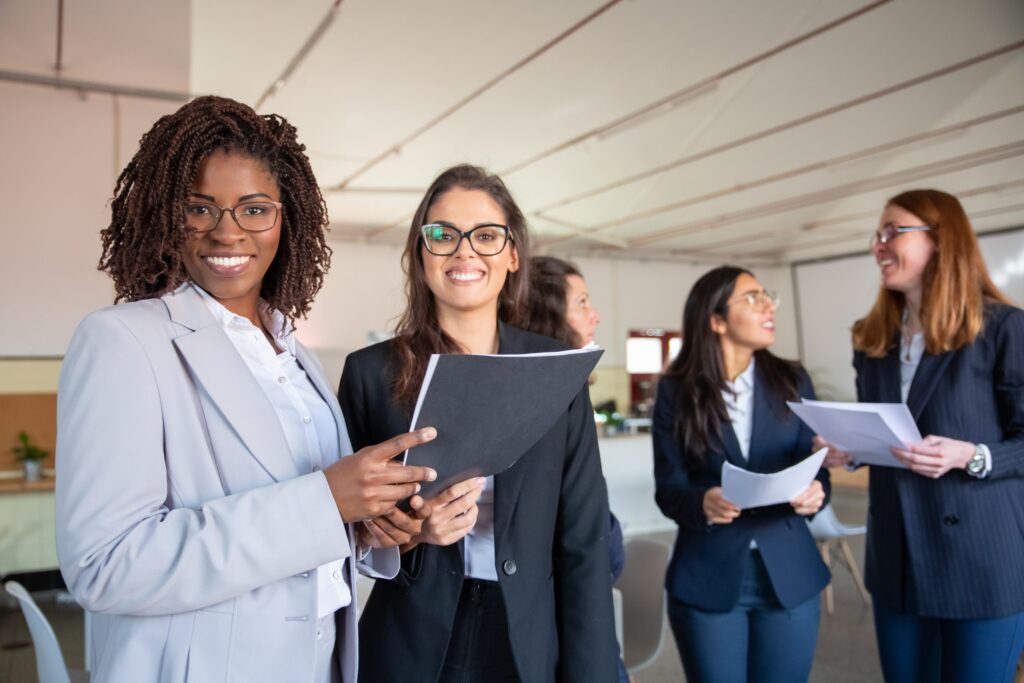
{"x":739,"y":402}
{"x":309,"y":428}
{"x":479,"y":559}
{"x":911,"y":352}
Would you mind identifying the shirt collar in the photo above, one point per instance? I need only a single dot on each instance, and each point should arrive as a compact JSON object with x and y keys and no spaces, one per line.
{"x":280,"y":329}
{"x":744,"y":382}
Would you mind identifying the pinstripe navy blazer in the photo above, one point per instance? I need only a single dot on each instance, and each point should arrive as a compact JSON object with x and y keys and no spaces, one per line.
{"x":953,"y":547}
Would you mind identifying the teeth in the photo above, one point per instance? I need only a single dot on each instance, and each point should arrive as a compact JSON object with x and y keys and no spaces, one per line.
{"x":227,"y":261}
{"x":465,"y":277}
{"x":886,"y":262}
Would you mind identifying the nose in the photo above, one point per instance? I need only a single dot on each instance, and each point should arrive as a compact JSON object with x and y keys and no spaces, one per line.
{"x":227,"y":230}
{"x":465,"y":249}
{"x":596,"y":317}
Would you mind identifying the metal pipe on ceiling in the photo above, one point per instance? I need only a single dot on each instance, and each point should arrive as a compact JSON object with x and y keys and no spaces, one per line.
{"x":92,"y":86}
{"x":59,"y":63}
{"x":301,"y":55}
{"x":396,"y":148}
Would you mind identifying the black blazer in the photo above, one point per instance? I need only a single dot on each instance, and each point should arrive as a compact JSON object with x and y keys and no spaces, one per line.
{"x":551,"y":546}
{"x":708,"y":562}
{"x":953,"y":547}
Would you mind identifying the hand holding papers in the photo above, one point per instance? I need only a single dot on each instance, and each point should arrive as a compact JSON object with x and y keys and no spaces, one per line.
{"x":867,"y":431}
{"x":751,"y":489}
{"x":490,"y":410}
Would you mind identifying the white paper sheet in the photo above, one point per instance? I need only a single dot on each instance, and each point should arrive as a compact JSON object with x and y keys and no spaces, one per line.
{"x":864,"y":430}
{"x":752,"y":489}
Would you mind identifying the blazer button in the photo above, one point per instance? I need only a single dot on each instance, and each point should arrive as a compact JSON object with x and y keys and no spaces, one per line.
{"x":509,"y":567}
{"x":951,"y":520}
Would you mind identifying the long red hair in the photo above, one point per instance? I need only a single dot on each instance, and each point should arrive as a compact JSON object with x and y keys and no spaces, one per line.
{"x":956,"y":282}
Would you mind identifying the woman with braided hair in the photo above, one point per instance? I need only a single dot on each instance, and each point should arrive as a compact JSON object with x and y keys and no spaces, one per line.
{"x":205,"y":510}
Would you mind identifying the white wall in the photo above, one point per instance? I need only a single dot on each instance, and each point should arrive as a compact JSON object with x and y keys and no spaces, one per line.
{"x":364,"y":293}
{"x":835,"y":293}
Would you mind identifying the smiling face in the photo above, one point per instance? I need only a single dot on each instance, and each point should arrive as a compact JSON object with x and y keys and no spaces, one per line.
{"x":581,"y":316}
{"x":228,"y":262}
{"x":745,"y":326}
{"x":903,"y":259}
{"x":466,"y":282}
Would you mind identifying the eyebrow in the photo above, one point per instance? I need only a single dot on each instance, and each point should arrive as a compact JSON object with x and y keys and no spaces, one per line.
{"x":449,"y":224}
{"x":752,"y":291}
{"x":240,"y":199}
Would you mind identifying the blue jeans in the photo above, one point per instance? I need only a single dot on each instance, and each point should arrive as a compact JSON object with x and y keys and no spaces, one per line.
{"x":758,"y":640}
{"x":924,"y":650}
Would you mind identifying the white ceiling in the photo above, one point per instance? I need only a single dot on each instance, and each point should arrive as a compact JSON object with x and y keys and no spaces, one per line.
{"x":735,"y":129}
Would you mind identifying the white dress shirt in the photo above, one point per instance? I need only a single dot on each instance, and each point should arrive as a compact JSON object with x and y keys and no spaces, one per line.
{"x":739,"y":403}
{"x":309,"y":429}
{"x":479,"y":560}
{"x":911,"y":352}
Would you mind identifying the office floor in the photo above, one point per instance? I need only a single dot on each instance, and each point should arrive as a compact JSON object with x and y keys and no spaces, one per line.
{"x":846,"y":648}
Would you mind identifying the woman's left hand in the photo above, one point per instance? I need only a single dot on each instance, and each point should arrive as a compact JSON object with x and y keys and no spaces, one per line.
{"x":810,"y":501}
{"x":391,"y":530}
{"x":936,"y":455}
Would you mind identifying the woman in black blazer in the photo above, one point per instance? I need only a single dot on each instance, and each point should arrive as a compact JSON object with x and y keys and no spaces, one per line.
{"x":945,"y":543}
{"x":506,"y":580}
{"x":743,"y":584}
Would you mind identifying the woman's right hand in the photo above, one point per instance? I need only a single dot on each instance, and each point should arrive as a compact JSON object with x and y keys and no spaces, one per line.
{"x":717,"y":509}
{"x":369,"y":483}
{"x":449,"y":515}
{"x":834,"y":457}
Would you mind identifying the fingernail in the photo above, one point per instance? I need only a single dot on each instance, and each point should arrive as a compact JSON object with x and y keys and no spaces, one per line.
{"x":417,"y":489}
{"x":480,"y":481}
{"x":431,"y":475}
{"x":429,"y":433}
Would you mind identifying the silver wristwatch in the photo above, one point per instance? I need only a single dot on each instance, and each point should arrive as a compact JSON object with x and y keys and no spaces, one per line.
{"x":976,"y":465}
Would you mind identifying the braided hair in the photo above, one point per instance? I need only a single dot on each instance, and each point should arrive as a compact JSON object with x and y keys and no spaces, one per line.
{"x":142,"y":246}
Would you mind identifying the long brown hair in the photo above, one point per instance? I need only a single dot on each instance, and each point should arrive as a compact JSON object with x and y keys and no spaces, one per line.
{"x":545,"y":313}
{"x":142,"y":245}
{"x":956,"y":283}
{"x":418,"y":333}
{"x":699,"y":369}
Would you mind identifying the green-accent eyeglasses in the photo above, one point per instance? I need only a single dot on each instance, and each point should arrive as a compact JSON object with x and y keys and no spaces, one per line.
{"x":488,"y":239}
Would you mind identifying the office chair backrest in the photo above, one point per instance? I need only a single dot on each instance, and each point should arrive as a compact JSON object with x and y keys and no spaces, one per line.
{"x":643,"y":602}
{"x":826,"y":526}
{"x":49,"y":660}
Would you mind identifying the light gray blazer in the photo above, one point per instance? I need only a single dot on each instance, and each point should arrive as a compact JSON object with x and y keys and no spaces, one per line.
{"x":183,"y":523}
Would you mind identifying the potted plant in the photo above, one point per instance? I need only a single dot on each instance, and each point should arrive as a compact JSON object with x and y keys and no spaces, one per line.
{"x":31,"y":457}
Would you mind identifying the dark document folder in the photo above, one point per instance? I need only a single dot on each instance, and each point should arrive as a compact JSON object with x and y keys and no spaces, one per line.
{"x":490,"y":410}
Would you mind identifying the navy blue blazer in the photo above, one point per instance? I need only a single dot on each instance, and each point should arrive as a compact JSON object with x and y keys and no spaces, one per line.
{"x":953,"y":547}
{"x":708,"y":562}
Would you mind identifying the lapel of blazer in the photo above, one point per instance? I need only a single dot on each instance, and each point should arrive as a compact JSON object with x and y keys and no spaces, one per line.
{"x":226,"y":378}
{"x":763,"y":420}
{"x":926,"y":378}
{"x":511,"y":480}
{"x":731,"y":446}
{"x":313,"y":370}
{"x":888,"y":376}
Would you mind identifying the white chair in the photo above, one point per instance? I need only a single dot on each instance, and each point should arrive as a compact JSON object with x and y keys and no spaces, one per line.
{"x":643,"y":602}
{"x":827,"y":529}
{"x":49,"y":660}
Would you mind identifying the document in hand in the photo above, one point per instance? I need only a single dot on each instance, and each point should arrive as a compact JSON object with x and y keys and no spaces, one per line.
{"x":864,"y":430}
{"x":489,"y":409}
{"x":753,"y":490}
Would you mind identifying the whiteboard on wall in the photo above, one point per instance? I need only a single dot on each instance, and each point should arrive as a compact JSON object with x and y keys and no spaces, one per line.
{"x":833,"y":294}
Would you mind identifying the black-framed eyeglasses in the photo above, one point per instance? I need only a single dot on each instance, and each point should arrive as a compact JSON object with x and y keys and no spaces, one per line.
{"x":249,"y":216}
{"x":890,"y":231}
{"x":488,"y":239}
{"x":759,"y":301}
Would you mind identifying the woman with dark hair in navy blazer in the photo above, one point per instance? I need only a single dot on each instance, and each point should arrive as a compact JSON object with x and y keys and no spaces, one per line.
{"x":945,"y":543}
{"x":743,"y":584}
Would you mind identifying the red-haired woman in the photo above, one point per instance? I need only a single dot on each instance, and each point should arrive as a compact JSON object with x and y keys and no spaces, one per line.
{"x":508,"y":579}
{"x":945,"y":544}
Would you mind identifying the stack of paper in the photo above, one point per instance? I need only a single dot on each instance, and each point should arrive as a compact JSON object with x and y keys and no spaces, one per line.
{"x":867,"y":431}
{"x":490,"y":409}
